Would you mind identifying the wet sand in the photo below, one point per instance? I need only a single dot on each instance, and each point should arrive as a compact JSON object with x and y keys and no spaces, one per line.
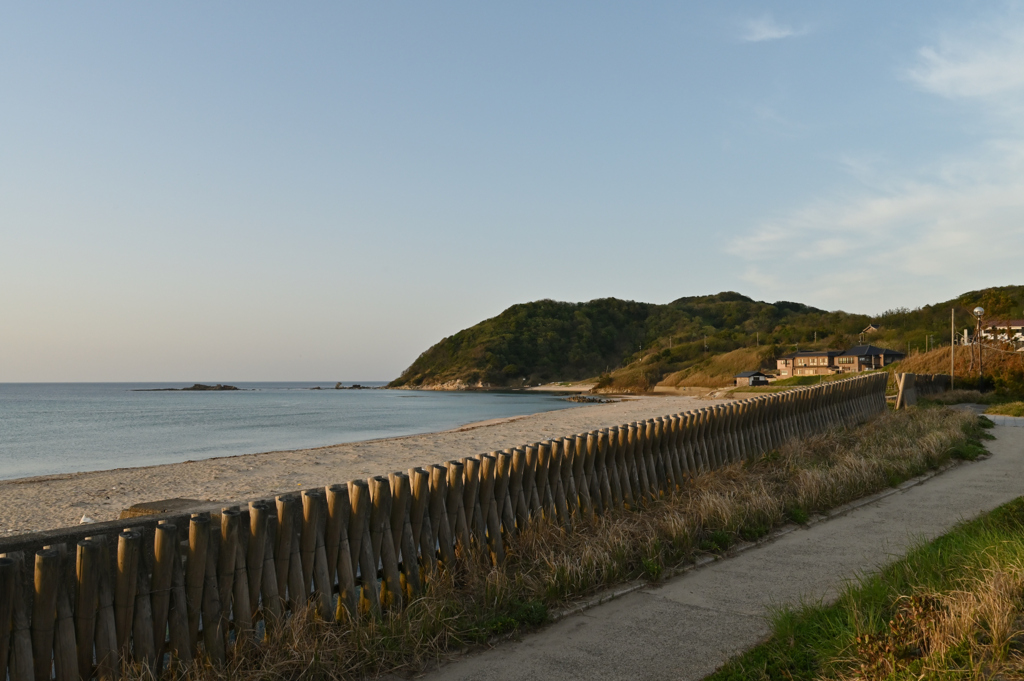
{"x":48,"y":502}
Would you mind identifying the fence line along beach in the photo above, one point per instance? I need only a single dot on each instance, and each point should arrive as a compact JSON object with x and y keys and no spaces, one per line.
{"x":345,"y":551}
{"x":102,"y":495}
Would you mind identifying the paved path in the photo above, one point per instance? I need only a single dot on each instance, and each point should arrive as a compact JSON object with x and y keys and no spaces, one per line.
{"x":688,"y":626}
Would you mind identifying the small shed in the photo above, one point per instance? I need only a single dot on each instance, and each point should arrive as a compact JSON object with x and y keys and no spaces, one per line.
{"x":750,"y":378}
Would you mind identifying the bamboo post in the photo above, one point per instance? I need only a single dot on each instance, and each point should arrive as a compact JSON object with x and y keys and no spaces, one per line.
{"x":502,"y":497}
{"x":20,"y":664}
{"x":177,"y":618}
{"x":164,"y":546}
{"x":405,"y":549}
{"x":471,"y":502}
{"x":44,"y":611}
{"x":637,"y":462}
{"x":307,"y":539}
{"x":362,"y":547}
{"x":489,"y":510}
{"x":516,"y":492}
{"x":620,"y":435}
{"x":383,"y":543}
{"x":654,"y":470}
{"x":590,"y":495}
{"x":198,"y":545}
{"x":334,"y":528}
{"x":7,"y":579}
{"x":65,"y":657}
{"x":586,"y":445}
{"x":656,"y":435}
{"x":259,"y":511}
{"x":108,"y":667}
{"x":529,"y":497}
{"x":287,"y":511}
{"x":230,"y":519}
{"x":542,"y":483}
{"x":268,"y":589}
{"x":87,"y":573}
{"x":607,"y":447}
{"x":668,"y":447}
{"x":423,"y":532}
{"x":339,"y":512}
{"x":570,"y":485}
{"x":440,"y":524}
{"x":314,"y":517}
{"x":241,"y":606}
{"x":213,"y":623}
{"x":143,"y":645}
{"x":560,"y":461}
{"x":298,"y":588}
{"x":456,"y":507}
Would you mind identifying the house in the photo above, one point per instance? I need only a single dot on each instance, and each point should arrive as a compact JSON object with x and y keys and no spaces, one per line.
{"x":1005,"y":329}
{"x":870,"y":328}
{"x":808,"y":363}
{"x":750,"y":378}
{"x":865,"y":357}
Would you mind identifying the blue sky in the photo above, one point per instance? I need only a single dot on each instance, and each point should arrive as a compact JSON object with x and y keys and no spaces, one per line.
{"x":249,"y":191}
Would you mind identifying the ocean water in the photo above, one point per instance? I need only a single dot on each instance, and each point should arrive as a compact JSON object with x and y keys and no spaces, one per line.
{"x":50,"y":428}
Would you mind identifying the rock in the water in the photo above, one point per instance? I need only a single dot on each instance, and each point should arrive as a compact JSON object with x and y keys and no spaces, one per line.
{"x":200,"y":386}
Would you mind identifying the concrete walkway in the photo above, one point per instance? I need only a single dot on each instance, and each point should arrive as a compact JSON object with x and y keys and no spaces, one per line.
{"x":688,"y":626}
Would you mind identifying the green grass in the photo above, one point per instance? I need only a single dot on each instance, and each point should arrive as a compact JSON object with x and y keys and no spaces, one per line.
{"x":870,"y":631}
{"x":1007,"y":409}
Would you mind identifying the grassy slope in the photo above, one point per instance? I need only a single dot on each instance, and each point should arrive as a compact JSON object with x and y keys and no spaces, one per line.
{"x":950,"y":609}
{"x":719,"y":370}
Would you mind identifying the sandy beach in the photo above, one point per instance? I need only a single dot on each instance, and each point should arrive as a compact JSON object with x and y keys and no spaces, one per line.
{"x":48,"y":502}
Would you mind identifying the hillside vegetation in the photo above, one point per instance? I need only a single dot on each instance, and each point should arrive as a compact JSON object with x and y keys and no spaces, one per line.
{"x":701,"y":340}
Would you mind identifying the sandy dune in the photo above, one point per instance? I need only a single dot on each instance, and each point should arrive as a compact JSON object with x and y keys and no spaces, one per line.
{"x":32,"y":504}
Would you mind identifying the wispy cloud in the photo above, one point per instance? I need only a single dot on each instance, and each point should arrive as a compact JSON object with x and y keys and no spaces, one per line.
{"x":988,"y":62}
{"x":766,"y":28}
{"x":922,"y":234}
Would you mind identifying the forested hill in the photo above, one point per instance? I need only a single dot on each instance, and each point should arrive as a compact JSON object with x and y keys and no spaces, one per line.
{"x":548,"y":340}
{"x":632,"y":346}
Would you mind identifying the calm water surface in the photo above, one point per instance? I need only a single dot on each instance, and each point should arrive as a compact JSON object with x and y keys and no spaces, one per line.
{"x":48,"y":428}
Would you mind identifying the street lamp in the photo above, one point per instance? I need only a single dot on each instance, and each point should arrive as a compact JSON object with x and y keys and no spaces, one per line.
{"x":978,"y":312}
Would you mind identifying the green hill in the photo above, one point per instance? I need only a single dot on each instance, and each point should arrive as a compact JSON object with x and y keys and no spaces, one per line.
{"x":548,"y":340}
{"x":628,"y":345}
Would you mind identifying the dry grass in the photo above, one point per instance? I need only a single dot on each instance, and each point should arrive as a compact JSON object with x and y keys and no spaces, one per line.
{"x":972,"y":631}
{"x":960,"y":397}
{"x":719,"y":370}
{"x":937,"y":362}
{"x":1007,"y":409}
{"x":546,"y":567}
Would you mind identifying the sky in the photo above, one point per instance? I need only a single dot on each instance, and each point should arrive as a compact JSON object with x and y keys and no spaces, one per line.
{"x":257,"y":191}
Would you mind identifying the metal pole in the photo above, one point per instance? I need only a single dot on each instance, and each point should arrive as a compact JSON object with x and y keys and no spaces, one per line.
{"x":981,"y":354}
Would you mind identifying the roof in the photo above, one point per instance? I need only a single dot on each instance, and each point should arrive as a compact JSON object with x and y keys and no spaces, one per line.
{"x":871,"y":351}
{"x":812,"y":353}
{"x":748,"y":374}
{"x":1003,"y":323}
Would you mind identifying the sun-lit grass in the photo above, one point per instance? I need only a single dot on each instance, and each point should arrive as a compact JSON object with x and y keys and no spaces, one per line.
{"x":546,"y":567}
{"x":1007,"y":409}
{"x":950,"y":609}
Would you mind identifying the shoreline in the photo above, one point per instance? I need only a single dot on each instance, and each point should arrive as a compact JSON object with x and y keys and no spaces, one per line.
{"x":60,"y":500}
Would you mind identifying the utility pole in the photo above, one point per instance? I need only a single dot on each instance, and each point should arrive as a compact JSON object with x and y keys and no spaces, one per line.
{"x":952,"y":348}
{"x":978,"y":312}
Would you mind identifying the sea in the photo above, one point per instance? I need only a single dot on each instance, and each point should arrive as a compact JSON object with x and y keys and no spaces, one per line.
{"x":54,"y":428}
